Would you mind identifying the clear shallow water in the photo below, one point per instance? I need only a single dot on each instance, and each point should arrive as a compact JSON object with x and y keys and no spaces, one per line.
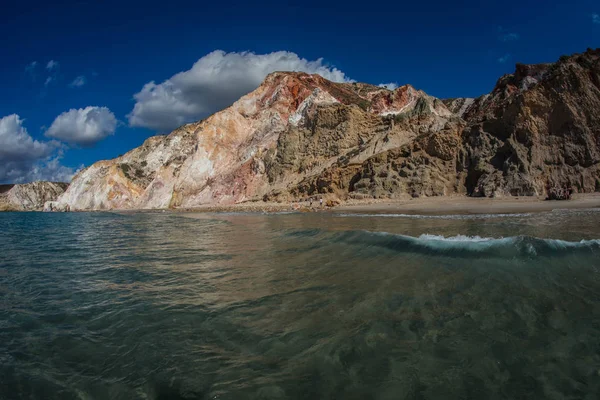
{"x":242,"y":306}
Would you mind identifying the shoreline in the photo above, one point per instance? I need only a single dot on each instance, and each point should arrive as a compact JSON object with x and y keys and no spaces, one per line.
{"x":443,"y":205}
{"x":473,"y":205}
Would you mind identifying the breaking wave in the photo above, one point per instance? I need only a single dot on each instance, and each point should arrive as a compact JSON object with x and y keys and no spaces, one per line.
{"x":465,"y":246}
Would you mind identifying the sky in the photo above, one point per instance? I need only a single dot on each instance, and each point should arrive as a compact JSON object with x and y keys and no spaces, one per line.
{"x":82,"y":81}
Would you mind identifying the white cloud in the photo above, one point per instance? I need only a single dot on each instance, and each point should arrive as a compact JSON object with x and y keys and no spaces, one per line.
{"x":389,"y":86}
{"x":49,"y":170}
{"x":23,"y":159}
{"x":83,"y":126}
{"x":16,"y":144}
{"x":596,"y":18}
{"x":78,"y":82}
{"x":52,"y":68}
{"x":504,"y":58}
{"x":214,"y":82}
{"x":52,"y":65}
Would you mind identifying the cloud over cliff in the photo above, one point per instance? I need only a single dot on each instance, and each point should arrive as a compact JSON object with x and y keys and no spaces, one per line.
{"x":24,"y":159}
{"x":83,"y":126}
{"x":214,"y":82}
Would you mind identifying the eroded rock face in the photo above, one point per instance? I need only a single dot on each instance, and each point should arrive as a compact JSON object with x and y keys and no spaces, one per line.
{"x":29,"y":196}
{"x":539,"y":128}
{"x":299,"y":134}
{"x":293,"y":126}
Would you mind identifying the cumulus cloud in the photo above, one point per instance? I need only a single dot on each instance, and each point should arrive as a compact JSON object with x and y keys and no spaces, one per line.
{"x":78,"y":82}
{"x":389,"y":86}
{"x":83,"y":126}
{"x":596,"y":18}
{"x":23,"y":159}
{"x":16,"y":144}
{"x":504,"y":58}
{"x":214,"y":82}
{"x":52,"y":65}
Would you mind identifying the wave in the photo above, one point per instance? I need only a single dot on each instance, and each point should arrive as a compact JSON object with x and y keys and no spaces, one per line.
{"x":467,"y":246}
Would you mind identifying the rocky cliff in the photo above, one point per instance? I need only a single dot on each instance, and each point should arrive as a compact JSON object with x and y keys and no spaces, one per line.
{"x":299,"y":135}
{"x":29,"y":196}
{"x":539,"y":128}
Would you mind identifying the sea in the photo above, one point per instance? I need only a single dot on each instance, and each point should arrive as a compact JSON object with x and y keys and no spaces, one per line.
{"x":164,"y":305}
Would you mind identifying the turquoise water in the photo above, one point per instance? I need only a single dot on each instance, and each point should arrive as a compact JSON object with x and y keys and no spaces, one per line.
{"x":299,"y":306}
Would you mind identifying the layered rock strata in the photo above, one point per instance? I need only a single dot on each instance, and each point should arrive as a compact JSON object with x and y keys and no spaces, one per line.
{"x":300,"y":135}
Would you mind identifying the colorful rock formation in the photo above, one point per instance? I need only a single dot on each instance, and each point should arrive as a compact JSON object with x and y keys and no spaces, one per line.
{"x":297,"y":135}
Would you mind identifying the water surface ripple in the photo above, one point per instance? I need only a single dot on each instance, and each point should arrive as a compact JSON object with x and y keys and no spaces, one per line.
{"x":250,"y":306}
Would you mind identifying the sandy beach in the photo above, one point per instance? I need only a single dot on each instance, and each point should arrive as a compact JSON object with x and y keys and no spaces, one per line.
{"x":424,"y":206}
{"x":472,"y":205}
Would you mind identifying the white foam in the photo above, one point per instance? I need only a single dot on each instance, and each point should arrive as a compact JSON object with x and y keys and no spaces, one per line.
{"x":507,"y":246}
{"x":457,"y":242}
{"x":564,"y":244}
{"x":457,"y":238}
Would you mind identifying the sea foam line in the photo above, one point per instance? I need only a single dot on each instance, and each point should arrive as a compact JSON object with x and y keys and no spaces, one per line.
{"x":463,"y":245}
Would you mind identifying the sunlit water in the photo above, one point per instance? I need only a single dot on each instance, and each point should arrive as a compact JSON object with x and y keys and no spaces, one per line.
{"x":299,"y":306}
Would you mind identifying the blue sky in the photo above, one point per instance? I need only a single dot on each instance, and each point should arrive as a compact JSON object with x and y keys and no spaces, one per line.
{"x":74,"y":105}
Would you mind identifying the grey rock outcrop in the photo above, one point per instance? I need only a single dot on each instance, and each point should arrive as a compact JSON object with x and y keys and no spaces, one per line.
{"x":29,"y":196}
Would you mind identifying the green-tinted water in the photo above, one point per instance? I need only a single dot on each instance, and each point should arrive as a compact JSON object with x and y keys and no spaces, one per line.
{"x":317,"y":306}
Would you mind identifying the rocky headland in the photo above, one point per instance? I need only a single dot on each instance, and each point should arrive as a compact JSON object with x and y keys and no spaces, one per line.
{"x":298,"y":136}
{"x":29,"y":196}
